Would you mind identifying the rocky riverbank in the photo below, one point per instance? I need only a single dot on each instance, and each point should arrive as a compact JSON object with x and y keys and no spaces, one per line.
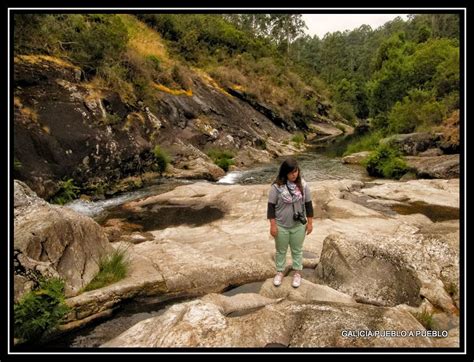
{"x":370,"y":264}
{"x":66,"y":127}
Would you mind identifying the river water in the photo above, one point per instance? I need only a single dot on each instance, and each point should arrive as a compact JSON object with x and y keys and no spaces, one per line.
{"x":315,"y":165}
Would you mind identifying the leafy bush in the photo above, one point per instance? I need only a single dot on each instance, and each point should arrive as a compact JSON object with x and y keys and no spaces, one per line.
{"x":89,"y":40}
{"x":112,"y":268}
{"x":418,"y":109}
{"x":222,"y":158}
{"x":40,"y":310}
{"x":35,"y":33}
{"x":93,"y":40}
{"x":196,"y":36}
{"x":162,"y":158}
{"x":112,"y":118}
{"x":67,"y":192}
{"x":385,"y":162}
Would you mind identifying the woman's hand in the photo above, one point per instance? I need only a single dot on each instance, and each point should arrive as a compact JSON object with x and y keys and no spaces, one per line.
{"x":309,"y":227}
{"x":273,"y":230}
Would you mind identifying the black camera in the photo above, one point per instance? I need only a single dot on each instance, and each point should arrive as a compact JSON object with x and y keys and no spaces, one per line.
{"x":299,"y":216}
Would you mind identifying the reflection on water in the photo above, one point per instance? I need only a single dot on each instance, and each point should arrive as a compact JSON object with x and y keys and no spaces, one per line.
{"x":161,"y":217}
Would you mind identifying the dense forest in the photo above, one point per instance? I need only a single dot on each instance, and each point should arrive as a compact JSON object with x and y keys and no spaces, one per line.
{"x":399,"y":78}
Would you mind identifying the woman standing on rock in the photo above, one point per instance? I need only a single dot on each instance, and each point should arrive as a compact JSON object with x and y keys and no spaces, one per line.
{"x":289,"y":202}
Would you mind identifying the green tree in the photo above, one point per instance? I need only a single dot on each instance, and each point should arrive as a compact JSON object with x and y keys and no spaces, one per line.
{"x":391,"y":82}
{"x":437,"y":25}
{"x":428,"y":56}
{"x":446,"y":78}
{"x":257,"y":24}
{"x":285,"y":28}
{"x":417,"y":109}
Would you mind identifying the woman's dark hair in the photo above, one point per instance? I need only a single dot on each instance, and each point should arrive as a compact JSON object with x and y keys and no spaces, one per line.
{"x":290,"y":164}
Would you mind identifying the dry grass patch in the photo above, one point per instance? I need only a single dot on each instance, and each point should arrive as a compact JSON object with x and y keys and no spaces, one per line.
{"x":35,"y":59}
{"x":144,"y":40}
{"x":175,"y":92}
{"x":209,"y":80}
{"x":450,"y":128}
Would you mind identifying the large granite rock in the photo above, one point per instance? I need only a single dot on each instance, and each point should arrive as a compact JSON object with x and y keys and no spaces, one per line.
{"x":413,"y":143}
{"x":442,"y":167}
{"x":54,"y":241}
{"x":203,"y":323}
{"x":391,"y":270}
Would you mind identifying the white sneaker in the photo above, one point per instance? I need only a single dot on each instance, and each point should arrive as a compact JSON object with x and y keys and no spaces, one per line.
{"x":278,"y":278}
{"x":296,"y":280}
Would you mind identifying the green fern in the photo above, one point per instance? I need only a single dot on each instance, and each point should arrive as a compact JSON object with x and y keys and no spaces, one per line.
{"x":40,"y":310}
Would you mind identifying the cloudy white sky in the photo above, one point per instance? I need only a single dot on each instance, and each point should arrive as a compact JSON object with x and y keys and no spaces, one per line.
{"x":320,"y":24}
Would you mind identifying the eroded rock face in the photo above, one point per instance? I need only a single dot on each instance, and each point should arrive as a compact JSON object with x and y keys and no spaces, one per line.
{"x":391,"y":270}
{"x":431,"y":192}
{"x":55,"y":241}
{"x":356,"y":158}
{"x":202,"y":323}
{"x":443,"y":167}
{"x":367,"y":273}
{"x":67,"y":128}
{"x":240,"y":302}
{"x":64,"y":129}
{"x":413,"y":143}
{"x":337,"y":325}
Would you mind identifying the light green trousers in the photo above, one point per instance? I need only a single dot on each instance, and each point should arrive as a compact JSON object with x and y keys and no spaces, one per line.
{"x":293,"y":237}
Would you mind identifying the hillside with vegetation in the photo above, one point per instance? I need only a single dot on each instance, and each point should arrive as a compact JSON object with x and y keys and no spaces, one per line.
{"x":401,"y":78}
{"x":165,"y":81}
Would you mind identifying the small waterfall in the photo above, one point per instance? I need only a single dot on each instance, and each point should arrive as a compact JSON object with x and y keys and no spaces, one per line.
{"x":231,"y":178}
{"x":96,"y":208}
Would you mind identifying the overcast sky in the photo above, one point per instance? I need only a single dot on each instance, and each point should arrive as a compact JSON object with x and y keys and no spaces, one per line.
{"x":320,"y":24}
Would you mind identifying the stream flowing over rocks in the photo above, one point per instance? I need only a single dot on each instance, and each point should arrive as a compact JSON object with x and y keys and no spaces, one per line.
{"x":367,"y":266}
